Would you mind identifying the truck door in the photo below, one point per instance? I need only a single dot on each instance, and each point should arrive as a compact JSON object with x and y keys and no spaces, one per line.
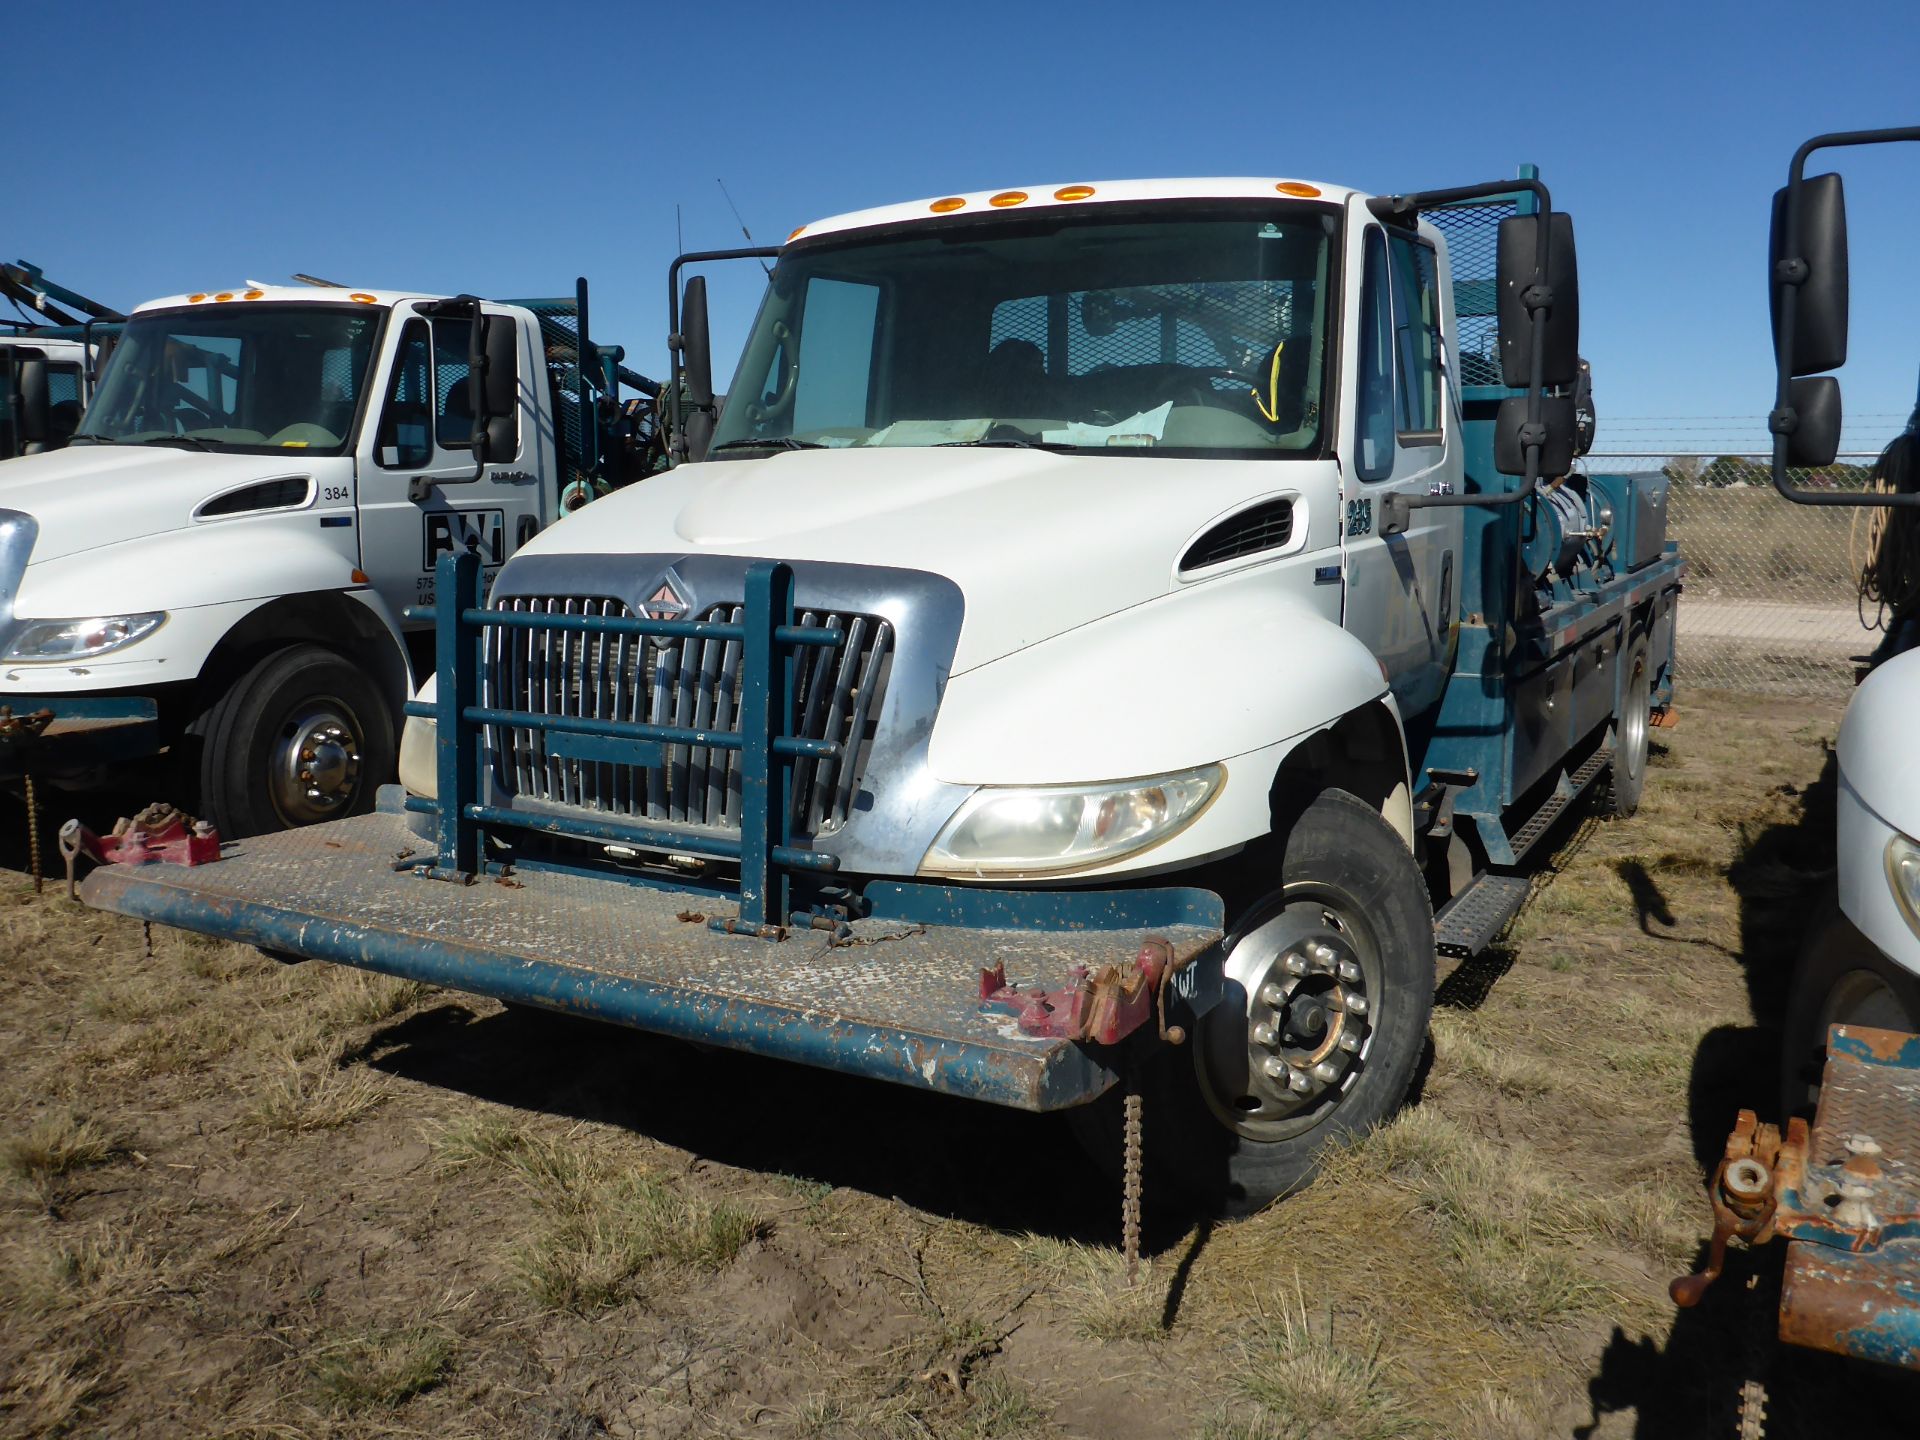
{"x":1401,"y":591}
{"x":423,"y":431}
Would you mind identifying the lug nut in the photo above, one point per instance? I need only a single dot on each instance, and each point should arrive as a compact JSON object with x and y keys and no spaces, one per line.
{"x":1326,"y":1072}
{"x":1265,"y":1035}
{"x":1271,"y":994}
{"x":1295,"y":964}
{"x":1274,"y":1068}
{"x":1299,"y":1082}
{"x":1350,"y":1042}
{"x":1322,"y":954}
{"x":1349,"y":972}
{"x":1356,"y":1004}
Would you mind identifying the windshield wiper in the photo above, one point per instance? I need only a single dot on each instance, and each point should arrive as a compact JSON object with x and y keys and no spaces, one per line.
{"x":95,"y":440}
{"x":1005,"y":442}
{"x":773,"y":442}
{"x":191,"y":442}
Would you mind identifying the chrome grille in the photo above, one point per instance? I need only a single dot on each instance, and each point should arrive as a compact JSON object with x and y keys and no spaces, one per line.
{"x":693,"y":684}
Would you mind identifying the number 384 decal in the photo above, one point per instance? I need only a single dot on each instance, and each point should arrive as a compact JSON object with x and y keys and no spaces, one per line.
{"x":1360,"y":517}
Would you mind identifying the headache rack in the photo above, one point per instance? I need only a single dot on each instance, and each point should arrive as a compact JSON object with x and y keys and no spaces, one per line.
{"x":764,"y":748}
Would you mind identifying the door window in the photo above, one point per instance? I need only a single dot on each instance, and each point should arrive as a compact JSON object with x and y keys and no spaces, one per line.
{"x":1373,"y":442}
{"x":406,"y":434}
{"x":453,"y":406}
{"x":1416,"y":336}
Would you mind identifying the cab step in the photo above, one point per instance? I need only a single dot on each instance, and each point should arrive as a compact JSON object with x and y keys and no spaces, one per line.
{"x":1468,"y":923}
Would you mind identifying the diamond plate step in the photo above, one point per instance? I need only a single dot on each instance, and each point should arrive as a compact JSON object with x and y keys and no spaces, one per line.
{"x":1467,"y":923}
{"x":1570,"y":788}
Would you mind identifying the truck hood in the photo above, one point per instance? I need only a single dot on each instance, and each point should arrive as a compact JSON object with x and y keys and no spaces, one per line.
{"x":87,"y":496}
{"x":1875,"y":745}
{"x":1038,"y":542}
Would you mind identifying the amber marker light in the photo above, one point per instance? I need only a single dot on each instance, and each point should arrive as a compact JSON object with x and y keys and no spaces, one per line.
{"x":196,"y":299}
{"x":253,"y":295}
{"x":1298,"y":187}
{"x":363,"y":298}
{"x":796,"y":234}
{"x":947,"y":206}
{"x":1074,"y":192}
{"x":1009,"y":197}
{"x":223,"y":295}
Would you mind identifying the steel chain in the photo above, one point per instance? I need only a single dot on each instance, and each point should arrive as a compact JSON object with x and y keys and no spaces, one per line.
{"x":1130,"y":1187}
{"x":33,"y":836}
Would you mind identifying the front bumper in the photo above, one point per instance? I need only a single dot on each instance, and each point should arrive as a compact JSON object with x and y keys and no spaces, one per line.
{"x":63,"y":737}
{"x":893,"y":999}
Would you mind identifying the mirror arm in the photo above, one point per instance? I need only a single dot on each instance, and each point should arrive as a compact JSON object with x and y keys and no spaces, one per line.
{"x":677,"y":342}
{"x":1789,"y":274}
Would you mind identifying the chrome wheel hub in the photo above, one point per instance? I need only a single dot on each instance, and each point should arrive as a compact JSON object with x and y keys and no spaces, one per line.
{"x":1276,"y":1062}
{"x":316,"y":765}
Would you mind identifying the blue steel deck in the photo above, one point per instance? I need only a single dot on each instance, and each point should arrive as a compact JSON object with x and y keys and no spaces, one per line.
{"x":900,"y":1003}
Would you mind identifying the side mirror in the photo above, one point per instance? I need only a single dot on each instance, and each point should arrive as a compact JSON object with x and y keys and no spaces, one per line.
{"x":1818,"y":271}
{"x":35,"y":420}
{"x":1516,"y":253}
{"x":1559,"y":427}
{"x":1815,"y":439}
{"x":697,"y":367}
{"x":493,"y":387}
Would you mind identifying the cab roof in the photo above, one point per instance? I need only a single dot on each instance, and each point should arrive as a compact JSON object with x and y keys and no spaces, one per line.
{"x":304,"y":294}
{"x":1077,"y":195}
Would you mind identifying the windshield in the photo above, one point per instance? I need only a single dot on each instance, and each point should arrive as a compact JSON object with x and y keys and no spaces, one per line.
{"x":1190,"y":330}
{"x":258,"y":378}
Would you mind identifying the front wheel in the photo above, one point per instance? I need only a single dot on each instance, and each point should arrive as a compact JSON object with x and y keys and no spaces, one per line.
{"x":1843,"y":979}
{"x":1328,"y":988}
{"x":303,"y":736}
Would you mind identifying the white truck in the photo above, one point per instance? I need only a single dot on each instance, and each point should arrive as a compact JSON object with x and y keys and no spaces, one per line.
{"x":215,"y":570}
{"x":48,"y":360}
{"x":1102,"y":624}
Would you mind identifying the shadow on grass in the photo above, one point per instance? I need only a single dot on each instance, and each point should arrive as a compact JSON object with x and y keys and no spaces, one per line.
{"x":1690,"y":1386}
{"x":980,"y":1164}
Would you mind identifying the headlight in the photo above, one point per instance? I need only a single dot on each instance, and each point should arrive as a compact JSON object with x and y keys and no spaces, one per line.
{"x":78,"y":639}
{"x":1046,"y":829}
{"x":1903,"y":874}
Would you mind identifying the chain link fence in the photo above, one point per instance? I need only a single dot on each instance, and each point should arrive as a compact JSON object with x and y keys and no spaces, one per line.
{"x":1772,"y":599}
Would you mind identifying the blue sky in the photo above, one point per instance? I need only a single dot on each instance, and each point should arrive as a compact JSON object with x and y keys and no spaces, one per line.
{"x":504,"y":148}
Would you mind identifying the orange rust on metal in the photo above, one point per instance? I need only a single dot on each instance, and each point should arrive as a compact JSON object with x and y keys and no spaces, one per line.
{"x":1664,"y":717}
{"x":32,"y":723}
{"x":1744,"y":1209}
{"x":1881,"y":1044}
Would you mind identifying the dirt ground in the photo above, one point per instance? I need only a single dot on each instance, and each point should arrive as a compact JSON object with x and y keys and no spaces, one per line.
{"x":244,"y":1199}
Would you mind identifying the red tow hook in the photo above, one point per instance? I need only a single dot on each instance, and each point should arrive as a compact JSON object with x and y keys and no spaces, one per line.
{"x":1100,"y":1007}
{"x":157,"y":833}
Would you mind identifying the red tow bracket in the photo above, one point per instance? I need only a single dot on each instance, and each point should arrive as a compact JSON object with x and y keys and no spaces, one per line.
{"x":1100,"y":1007}
{"x":158,"y":833}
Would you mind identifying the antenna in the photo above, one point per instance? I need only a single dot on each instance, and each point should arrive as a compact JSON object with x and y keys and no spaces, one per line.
{"x":318,"y":283}
{"x":679,"y":235}
{"x":742,"y":223}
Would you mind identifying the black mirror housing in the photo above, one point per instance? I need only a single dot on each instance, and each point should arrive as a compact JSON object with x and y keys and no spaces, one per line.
{"x":1820,"y":311}
{"x":35,"y":416}
{"x":493,"y":387}
{"x":1558,"y":420}
{"x":1815,"y":438}
{"x":696,"y":359}
{"x":1518,"y":238}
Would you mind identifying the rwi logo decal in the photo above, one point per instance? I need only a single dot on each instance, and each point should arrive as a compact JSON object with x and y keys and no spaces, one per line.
{"x":451,"y":531}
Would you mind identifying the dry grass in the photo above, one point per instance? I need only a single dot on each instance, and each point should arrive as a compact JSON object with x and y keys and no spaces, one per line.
{"x":1302,"y":1377}
{"x":55,"y":1145}
{"x":1090,"y":1281}
{"x":300,"y":1098}
{"x":379,"y":1369}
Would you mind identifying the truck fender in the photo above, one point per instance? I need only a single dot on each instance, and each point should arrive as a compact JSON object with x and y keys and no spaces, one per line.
{"x":353,"y":622}
{"x":1193,"y":678}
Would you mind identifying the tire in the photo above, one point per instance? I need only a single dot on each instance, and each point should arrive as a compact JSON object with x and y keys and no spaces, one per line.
{"x":1842,"y":979}
{"x":1221,"y":1132}
{"x":253,"y":756}
{"x":1627,"y":775}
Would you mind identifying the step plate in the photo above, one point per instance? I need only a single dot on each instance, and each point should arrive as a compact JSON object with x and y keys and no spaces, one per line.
{"x":900,"y":1003}
{"x":1468,"y":923}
